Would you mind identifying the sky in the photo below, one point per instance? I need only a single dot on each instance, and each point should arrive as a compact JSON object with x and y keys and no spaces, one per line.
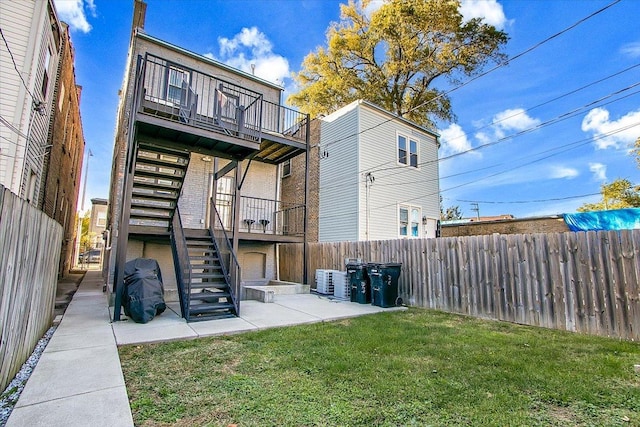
{"x":537,"y":136}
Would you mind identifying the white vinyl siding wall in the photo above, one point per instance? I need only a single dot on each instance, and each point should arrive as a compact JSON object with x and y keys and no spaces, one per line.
{"x":339,"y":179}
{"x":398,"y":184}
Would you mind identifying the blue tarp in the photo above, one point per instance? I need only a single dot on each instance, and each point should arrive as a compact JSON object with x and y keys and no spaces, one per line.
{"x":616,"y":219}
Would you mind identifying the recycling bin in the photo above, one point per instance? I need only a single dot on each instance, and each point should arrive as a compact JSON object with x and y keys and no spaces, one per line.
{"x":385,"y":291}
{"x":358,"y":280}
{"x":375,"y":281}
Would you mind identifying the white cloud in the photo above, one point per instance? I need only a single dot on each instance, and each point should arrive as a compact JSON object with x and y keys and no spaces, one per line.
{"x":72,"y":12}
{"x":599,"y":171}
{"x":560,"y":172}
{"x":619,"y":133}
{"x":489,"y":10}
{"x":631,"y":49}
{"x":514,"y":119}
{"x":250,"y":47}
{"x":454,"y":140}
{"x":508,"y":121}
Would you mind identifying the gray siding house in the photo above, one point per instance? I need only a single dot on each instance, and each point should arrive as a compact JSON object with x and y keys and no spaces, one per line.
{"x":378,"y":176}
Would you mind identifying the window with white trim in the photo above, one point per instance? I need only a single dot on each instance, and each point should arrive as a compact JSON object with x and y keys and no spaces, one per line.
{"x":45,"y":77}
{"x":175,"y":81}
{"x":407,"y":151}
{"x":409,"y":220}
{"x":286,"y":168}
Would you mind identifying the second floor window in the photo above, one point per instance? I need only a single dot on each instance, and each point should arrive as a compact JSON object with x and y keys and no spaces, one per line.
{"x":407,"y":151}
{"x":177,"y":78}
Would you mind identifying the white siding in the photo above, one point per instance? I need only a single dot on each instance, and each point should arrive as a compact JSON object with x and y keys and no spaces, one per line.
{"x":394,"y":184}
{"x":367,"y":142}
{"x":26,"y":26}
{"x":338,"y":186}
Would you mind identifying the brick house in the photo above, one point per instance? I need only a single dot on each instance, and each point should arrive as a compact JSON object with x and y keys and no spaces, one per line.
{"x":63,"y":162}
{"x":195,"y":178}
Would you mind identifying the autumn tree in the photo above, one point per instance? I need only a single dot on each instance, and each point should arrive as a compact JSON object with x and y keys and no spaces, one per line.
{"x":393,"y":56}
{"x":620,"y":194}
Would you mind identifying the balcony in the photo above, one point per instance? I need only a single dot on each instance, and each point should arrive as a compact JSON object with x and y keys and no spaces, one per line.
{"x":263,"y":219}
{"x":208,"y":114}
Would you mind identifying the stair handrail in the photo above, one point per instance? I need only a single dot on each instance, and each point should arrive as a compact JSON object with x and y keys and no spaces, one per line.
{"x":230,"y":266}
{"x":181,"y":262}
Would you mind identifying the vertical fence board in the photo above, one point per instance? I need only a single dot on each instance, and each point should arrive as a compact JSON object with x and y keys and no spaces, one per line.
{"x":30,"y":245}
{"x":584,"y":282}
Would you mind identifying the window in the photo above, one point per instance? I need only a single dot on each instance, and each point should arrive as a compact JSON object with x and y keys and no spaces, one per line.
{"x":407,"y":151}
{"x":61,"y":98}
{"x":101,"y":220}
{"x":175,"y":80}
{"x":409,"y":221}
{"x":286,"y":168}
{"x":45,"y":78}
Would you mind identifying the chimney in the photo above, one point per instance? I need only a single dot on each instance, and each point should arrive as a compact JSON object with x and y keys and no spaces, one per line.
{"x":139,"y":13}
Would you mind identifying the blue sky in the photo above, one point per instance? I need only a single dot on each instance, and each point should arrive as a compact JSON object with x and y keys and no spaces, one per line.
{"x":557,"y":121}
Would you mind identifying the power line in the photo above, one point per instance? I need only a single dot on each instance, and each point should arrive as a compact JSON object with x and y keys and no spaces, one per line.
{"x":375,"y":168}
{"x":555,"y":199}
{"x":554,"y":120}
{"x":36,"y":102}
{"x":500,"y":65}
{"x":590,"y":139}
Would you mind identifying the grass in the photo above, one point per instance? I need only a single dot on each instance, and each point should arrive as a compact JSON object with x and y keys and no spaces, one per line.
{"x":410,"y":368}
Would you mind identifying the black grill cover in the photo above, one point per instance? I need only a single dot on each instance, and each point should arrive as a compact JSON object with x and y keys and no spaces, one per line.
{"x":143,"y":290}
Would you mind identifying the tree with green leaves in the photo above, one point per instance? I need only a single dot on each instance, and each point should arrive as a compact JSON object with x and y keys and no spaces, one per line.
{"x":619,"y":194}
{"x":452,"y":212}
{"x":393,"y":56}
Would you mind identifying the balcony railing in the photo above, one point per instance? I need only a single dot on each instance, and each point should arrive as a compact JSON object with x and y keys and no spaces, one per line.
{"x":263,"y":216}
{"x":183,"y":95}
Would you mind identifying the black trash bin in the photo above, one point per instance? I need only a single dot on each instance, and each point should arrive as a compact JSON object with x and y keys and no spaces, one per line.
{"x":375,"y":281}
{"x":358,"y":280}
{"x":385,"y":291}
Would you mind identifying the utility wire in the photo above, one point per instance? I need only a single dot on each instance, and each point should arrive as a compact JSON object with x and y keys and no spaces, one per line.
{"x":500,"y":65}
{"x":376,"y":168}
{"x":36,"y":101}
{"x":487,"y":176}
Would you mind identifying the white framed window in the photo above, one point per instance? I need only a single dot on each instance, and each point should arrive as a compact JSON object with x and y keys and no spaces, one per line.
{"x":175,"y":80}
{"x":286,"y":168}
{"x":101,"y":220}
{"x":407,"y":151}
{"x":409,"y":221}
{"x":45,"y":78}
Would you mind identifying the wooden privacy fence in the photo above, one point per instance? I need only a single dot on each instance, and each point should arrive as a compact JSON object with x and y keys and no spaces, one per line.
{"x":584,"y":282}
{"x":30,"y":245}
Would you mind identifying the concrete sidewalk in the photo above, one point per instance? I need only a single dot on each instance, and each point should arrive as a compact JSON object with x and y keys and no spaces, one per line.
{"x":78,"y":380}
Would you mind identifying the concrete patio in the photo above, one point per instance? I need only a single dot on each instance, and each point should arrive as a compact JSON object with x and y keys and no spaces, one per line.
{"x":78,"y":380}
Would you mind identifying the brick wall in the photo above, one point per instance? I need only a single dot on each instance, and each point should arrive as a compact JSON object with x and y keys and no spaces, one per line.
{"x":292,"y":189}
{"x":510,"y":226}
{"x":63,"y":165}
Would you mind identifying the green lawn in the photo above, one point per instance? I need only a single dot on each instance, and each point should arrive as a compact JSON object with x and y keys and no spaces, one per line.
{"x":410,"y":368}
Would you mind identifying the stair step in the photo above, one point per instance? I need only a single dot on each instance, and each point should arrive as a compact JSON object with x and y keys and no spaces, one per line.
{"x":160,"y":159}
{"x":143,"y":169}
{"x":156,"y":183}
{"x":210,"y":307}
{"x":156,"y":193}
{"x":153,"y":203}
{"x":207,"y":276}
{"x":195,"y":233}
{"x":151,"y":213}
{"x":204,"y":258}
{"x":206,"y":266}
{"x":199,"y":243}
{"x":161,"y":149}
{"x":147,"y":223}
{"x":205,"y":285}
{"x":209,"y":295}
{"x":212,"y":316}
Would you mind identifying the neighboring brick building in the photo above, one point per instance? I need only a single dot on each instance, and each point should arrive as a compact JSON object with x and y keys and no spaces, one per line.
{"x":293,"y":178}
{"x":542,"y":224}
{"x":63,"y":163}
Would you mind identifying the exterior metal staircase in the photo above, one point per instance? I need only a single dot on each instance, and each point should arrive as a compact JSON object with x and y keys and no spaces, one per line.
{"x":157,"y":182}
{"x":209,"y":294}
